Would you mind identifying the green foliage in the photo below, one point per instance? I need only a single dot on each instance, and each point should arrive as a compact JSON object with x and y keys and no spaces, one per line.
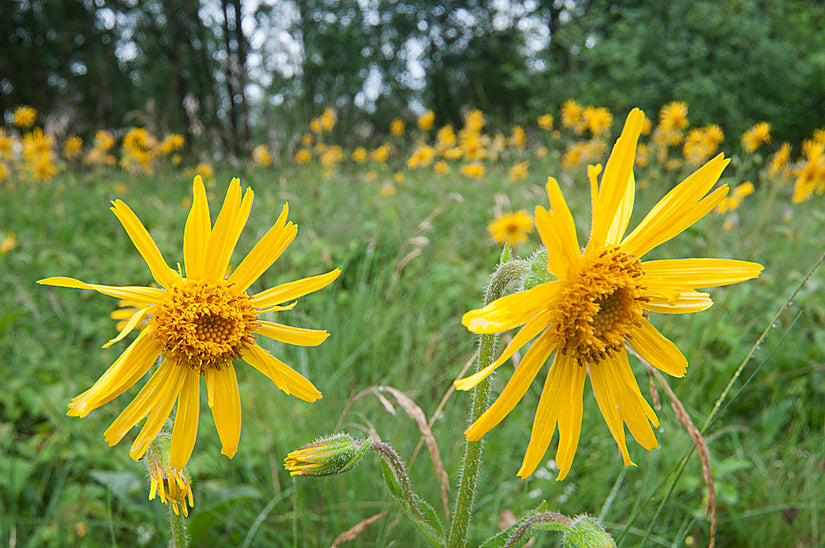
{"x":396,"y":325}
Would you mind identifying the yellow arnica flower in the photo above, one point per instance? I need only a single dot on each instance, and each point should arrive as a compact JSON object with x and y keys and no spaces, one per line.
{"x":199,"y":324}
{"x":511,"y":228}
{"x":599,"y":304}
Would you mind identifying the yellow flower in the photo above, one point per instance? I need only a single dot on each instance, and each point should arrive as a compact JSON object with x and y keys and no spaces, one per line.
{"x":474,"y":121}
{"x":398,"y":178}
{"x":441,"y":167}
{"x":517,"y":137}
{"x":779,"y":161}
{"x":6,"y":144}
{"x":540,"y":152}
{"x":519,"y":171}
{"x":673,"y":116}
{"x":732,"y":202}
{"x":204,"y":171}
{"x":42,"y":169}
{"x":474,"y":170}
{"x":170,"y":144}
{"x":421,"y":156}
{"x":381,"y":153}
{"x":445,"y":138}
{"x":755,"y":136}
{"x":397,"y":127}
{"x":387,"y":189}
{"x":599,"y":304}
{"x":597,"y":120}
{"x":8,"y":243}
{"x":546,"y":121}
{"x":303,"y":156}
{"x":24,"y":117}
{"x":174,"y":486}
{"x":810,"y":172}
{"x":360,"y":155}
{"x":511,"y":228}
{"x":571,"y":114}
{"x":72,"y":147}
{"x":425,"y":121}
{"x":199,"y":324}
{"x":261,"y":155}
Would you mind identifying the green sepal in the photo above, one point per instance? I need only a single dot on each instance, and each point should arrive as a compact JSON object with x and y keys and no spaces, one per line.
{"x":506,"y":254}
{"x":538,"y":273}
{"x":417,"y":509}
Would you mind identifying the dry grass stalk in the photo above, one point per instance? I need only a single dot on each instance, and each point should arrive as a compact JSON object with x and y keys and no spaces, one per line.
{"x":353,"y":532}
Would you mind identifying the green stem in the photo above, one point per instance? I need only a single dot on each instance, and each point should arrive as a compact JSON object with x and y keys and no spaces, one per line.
{"x":473,"y":450}
{"x":178,"y":529}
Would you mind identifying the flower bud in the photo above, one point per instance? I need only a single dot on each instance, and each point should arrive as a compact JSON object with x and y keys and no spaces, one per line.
{"x":326,"y":457}
{"x":587,"y":532}
{"x":174,"y":486}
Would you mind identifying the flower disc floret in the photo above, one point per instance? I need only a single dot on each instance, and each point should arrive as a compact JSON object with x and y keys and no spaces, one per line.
{"x":204,"y":324}
{"x":600,"y":305}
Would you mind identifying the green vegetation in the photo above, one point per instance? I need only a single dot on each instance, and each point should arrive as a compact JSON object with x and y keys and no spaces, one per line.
{"x":412,"y":263}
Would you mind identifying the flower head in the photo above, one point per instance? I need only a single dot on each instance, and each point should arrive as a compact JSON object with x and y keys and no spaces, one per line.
{"x":755,"y":136}
{"x":598,"y":305}
{"x":425,"y":121}
{"x":511,"y":228}
{"x":24,"y":116}
{"x":174,"y":486}
{"x":199,"y":324}
{"x":397,"y":127}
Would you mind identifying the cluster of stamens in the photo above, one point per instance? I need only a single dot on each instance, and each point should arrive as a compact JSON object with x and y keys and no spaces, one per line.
{"x":602,"y":302}
{"x":204,"y":324}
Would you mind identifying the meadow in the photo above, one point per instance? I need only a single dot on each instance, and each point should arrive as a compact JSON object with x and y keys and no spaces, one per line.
{"x":415,"y":255}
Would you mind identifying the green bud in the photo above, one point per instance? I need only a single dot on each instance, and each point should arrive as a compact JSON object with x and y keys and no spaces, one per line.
{"x":587,"y":532}
{"x":538,"y":273}
{"x":326,"y":457}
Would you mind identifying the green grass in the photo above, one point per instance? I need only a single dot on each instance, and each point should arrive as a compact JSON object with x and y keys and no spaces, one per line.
{"x":394,"y":319}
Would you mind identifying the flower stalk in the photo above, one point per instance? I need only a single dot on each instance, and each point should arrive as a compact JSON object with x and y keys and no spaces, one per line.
{"x":509,"y":273}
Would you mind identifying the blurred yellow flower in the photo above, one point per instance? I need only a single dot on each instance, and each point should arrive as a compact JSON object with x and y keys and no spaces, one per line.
{"x":517,"y":137}
{"x":571,"y":114}
{"x":8,"y":243}
{"x":757,"y":135}
{"x":598,"y":305}
{"x":199,"y":324}
{"x":519,"y":171}
{"x":732,"y":202}
{"x":381,"y":153}
{"x":540,"y":152}
{"x":303,"y":156}
{"x":387,"y":189}
{"x":72,"y":147}
{"x":422,"y":156}
{"x":398,"y":178}
{"x":425,"y":121}
{"x":24,"y":117}
{"x":360,"y":155}
{"x":597,"y":119}
{"x":441,"y":167}
{"x":261,"y":155}
{"x":397,"y":127}
{"x":511,"y":228}
{"x":445,"y":138}
{"x":780,"y":162}
{"x":204,"y":170}
{"x":475,"y":170}
{"x":673,"y":116}
{"x":171,"y":143}
{"x":810,"y":172}
{"x":545,"y":121}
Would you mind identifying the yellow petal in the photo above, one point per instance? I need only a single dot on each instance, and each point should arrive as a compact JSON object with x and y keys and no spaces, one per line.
{"x":284,"y":377}
{"x":679,"y":303}
{"x":560,"y":403}
{"x":657,"y":350}
{"x":164,"y":399}
{"x":136,"y":294}
{"x":293,"y":290}
{"x":558,"y":232}
{"x":634,"y":409}
{"x":515,"y":389}
{"x":145,"y":245}
{"x":225,"y":402}
{"x":511,"y":310}
{"x":196,"y":232}
{"x":697,"y":273}
{"x":291,"y":335}
{"x":616,"y":178}
{"x":134,"y":320}
{"x":147,"y":399}
{"x":185,"y":430}
{"x":121,"y":375}
{"x":265,"y":252}
{"x":679,"y":209}
{"x":620,"y":222}
{"x":608,"y":404}
{"x":532,"y":328}
{"x":228,"y":227}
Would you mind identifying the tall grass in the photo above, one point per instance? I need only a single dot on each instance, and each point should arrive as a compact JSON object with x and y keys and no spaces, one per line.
{"x":412,"y":264}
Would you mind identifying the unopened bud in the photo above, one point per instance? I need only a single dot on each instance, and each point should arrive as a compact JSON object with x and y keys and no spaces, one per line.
{"x":587,"y":532}
{"x":326,"y":457}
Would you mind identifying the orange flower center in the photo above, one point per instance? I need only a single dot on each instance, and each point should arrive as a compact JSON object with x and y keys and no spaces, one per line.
{"x":602,"y":302}
{"x":204,"y":324}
